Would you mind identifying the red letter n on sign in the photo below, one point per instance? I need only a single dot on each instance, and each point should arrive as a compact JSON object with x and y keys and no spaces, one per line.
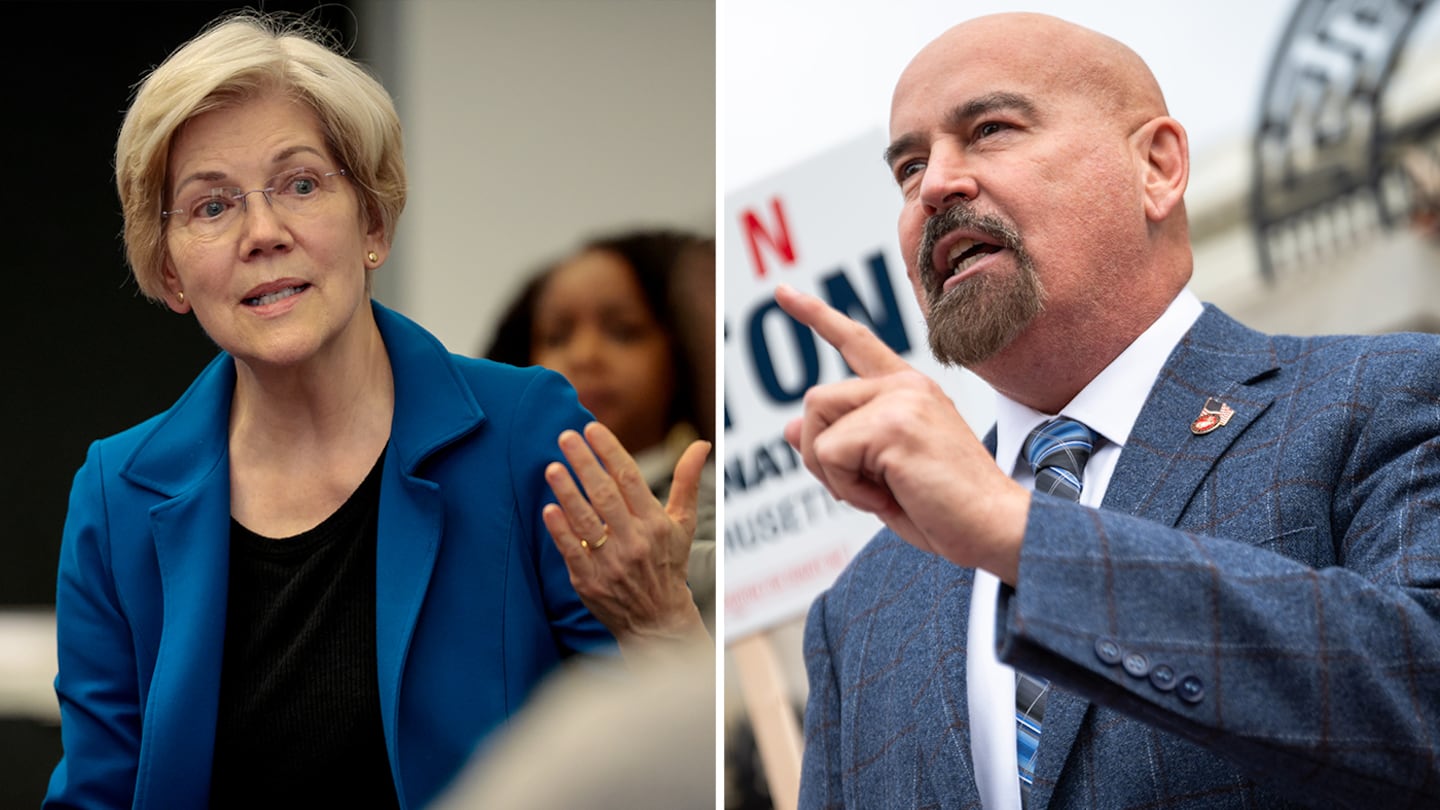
{"x":776,"y":236}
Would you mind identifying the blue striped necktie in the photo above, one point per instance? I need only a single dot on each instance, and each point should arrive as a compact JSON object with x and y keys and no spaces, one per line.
{"x":1057,"y":452}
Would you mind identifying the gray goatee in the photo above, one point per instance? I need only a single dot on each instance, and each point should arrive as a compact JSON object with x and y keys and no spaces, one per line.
{"x":982,"y":314}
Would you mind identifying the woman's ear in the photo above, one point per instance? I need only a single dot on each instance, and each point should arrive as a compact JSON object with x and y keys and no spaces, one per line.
{"x":377,"y":249}
{"x":377,"y":242}
{"x":175,"y":298}
{"x":1165,"y":149}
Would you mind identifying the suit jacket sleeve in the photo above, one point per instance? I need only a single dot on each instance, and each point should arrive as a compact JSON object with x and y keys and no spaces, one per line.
{"x":1296,"y":627}
{"x":97,"y":689}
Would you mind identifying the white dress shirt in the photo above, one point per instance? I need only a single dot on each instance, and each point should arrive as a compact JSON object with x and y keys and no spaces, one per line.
{"x":1109,"y":405}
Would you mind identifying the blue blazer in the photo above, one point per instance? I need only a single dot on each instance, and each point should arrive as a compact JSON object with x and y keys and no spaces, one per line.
{"x":473,"y":603}
{"x":1252,"y":619}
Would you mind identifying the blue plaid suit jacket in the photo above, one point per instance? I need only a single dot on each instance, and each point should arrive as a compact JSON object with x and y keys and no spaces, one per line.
{"x":1288,"y":561}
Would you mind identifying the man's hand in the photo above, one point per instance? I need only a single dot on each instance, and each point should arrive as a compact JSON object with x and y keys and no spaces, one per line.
{"x":891,"y":442}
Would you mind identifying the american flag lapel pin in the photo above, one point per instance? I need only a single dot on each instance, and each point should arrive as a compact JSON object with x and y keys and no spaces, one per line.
{"x":1213,"y":415}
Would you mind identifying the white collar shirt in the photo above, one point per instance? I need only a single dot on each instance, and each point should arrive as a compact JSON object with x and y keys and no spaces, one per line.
{"x":1108,"y":405}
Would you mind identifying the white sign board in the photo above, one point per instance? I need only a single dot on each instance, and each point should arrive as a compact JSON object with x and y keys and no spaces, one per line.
{"x":825,"y":227}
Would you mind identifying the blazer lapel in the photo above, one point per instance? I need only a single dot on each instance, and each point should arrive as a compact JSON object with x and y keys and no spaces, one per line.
{"x":433,"y":407}
{"x":956,"y":781}
{"x":185,"y":459}
{"x":1164,"y":463}
{"x":410,"y":524}
{"x":192,"y":536}
{"x":953,"y":775}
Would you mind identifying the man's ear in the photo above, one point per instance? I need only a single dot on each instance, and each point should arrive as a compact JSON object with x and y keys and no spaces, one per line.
{"x":1165,"y":149}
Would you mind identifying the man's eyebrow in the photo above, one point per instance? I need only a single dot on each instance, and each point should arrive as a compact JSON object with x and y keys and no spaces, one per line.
{"x":990,"y":103}
{"x":900,"y":146}
{"x":958,"y":117}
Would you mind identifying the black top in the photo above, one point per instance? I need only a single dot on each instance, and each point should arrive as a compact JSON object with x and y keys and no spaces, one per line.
{"x":299,"y":721}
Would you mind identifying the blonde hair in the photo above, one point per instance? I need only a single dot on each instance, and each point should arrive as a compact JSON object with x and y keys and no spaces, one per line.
{"x":234,"y":60}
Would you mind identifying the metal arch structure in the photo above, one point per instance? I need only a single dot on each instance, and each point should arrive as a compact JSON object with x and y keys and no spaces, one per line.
{"x":1323,"y":149}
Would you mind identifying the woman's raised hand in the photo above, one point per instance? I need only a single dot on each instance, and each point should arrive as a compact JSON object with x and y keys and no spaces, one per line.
{"x":627,"y":554}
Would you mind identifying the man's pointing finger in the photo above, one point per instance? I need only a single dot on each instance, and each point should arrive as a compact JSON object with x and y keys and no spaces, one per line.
{"x":867,"y":354}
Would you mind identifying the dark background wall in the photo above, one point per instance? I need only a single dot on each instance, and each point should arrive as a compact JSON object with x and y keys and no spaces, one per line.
{"x":83,"y":354}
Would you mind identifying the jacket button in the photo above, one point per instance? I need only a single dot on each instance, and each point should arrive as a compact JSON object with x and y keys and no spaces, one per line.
{"x":1108,"y":651}
{"x":1191,"y":689}
{"x":1162,"y":677}
{"x":1137,"y":664}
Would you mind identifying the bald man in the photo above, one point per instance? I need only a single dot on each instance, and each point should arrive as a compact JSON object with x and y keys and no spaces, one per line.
{"x":1219,"y":583}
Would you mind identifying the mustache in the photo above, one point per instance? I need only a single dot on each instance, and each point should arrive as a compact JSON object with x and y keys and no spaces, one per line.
{"x":957,"y":216}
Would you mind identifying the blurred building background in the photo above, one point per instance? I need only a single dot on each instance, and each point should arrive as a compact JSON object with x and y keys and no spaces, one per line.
{"x":1314,"y":197}
{"x":1323,"y":217}
{"x":531,"y":126}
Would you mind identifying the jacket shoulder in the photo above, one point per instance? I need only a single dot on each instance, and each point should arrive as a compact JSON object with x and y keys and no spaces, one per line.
{"x":121,"y":445}
{"x":502,"y":389}
{"x":1404,"y":346}
{"x":482,"y":374}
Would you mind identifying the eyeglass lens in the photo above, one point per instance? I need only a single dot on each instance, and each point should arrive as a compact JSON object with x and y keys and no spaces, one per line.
{"x":216,"y":210}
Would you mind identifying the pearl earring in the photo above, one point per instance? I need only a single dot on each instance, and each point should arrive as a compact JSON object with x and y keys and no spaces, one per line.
{"x":181,"y":295}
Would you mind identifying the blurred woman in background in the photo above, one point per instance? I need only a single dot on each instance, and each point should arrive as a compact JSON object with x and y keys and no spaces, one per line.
{"x":625,"y":320}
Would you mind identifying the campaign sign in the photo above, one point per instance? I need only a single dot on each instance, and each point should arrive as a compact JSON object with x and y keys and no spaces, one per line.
{"x":826,"y":227}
